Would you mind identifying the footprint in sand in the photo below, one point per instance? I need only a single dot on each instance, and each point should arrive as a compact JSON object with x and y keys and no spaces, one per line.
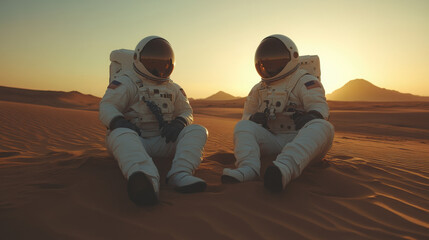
{"x":342,"y":157}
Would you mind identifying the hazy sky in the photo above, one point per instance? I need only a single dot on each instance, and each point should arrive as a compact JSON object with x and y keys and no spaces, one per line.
{"x":65,"y":45}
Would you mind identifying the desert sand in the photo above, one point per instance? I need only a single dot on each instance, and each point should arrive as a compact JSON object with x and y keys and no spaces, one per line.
{"x":58,"y":181}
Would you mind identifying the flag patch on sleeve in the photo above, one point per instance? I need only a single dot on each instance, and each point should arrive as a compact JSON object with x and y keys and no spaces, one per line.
{"x":312,"y":84}
{"x":183,"y":92}
{"x":114,"y":84}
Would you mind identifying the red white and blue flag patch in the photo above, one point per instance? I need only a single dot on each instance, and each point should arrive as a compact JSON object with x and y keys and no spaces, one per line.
{"x":312,"y":84}
{"x":183,"y":92}
{"x":114,"y":84}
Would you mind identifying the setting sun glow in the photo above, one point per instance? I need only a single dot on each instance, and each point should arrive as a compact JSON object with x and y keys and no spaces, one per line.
{"x":57,"y":45}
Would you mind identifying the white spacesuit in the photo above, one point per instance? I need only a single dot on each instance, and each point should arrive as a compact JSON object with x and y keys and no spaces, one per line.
{"x":147,"y":115}
{"x":285,"y":114}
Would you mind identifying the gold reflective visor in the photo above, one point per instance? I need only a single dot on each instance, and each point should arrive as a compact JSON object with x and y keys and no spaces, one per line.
{"x":158,"y":58}
{"x":271,"y":57}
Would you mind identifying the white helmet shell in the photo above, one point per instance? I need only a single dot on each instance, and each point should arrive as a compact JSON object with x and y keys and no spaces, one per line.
{"x":276,"y":58}
{"x":154,"y":59}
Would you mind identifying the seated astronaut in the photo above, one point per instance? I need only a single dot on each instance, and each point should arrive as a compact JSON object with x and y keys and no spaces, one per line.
{"x":285,"y":114}
{"x":148,"y":115}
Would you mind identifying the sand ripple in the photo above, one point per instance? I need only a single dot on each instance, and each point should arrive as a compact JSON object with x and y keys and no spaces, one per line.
{"x":58,"y":182}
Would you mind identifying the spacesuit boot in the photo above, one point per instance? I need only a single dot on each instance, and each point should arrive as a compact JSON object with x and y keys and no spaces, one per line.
{"x":184,"y":182}
{"x":136,"y":165}
{"x":189,"y":149}
{"x":237,"y":175}
{"x":312,"y":142}
{"x":140,"y":189}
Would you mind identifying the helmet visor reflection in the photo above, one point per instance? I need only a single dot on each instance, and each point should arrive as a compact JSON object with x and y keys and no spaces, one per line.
{"x":158,"y":58}
{"x":271,"y":57}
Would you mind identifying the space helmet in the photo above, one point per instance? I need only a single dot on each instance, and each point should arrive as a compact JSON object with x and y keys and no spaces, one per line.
{"x":154,"y":59}
{"x":276,"y":58}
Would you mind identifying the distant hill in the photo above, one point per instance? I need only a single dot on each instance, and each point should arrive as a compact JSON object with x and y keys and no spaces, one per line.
{"x":60,"y":99}
{"x":221,"y":96}
{"x":362,"y":90}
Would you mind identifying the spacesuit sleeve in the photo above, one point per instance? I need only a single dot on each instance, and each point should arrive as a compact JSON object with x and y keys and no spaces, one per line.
{"x":312,"y":95}
{"x":117,"y":99}
{"x":251,"y":104}
{"x":182,"y":108}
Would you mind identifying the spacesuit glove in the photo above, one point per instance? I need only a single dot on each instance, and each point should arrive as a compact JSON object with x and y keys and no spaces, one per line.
{"x":172,"y":130}
{"x":259,"y":118}
{"x":301,"y":118}
{"x":121,"y":122}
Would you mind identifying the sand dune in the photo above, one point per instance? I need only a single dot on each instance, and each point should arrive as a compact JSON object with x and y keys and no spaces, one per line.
{"x":73,"y":99}
{"x":58,"y":182}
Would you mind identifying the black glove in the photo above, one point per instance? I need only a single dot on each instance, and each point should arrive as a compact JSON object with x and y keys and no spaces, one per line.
{"x":260,"y":118}
{"x":301,"y":118}
{"x":172,"y":130}
{"x":121,"y":122}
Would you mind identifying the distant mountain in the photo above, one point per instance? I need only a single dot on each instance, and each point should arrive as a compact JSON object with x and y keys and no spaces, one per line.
{"x":60,"y":99}
{"x":221,"y":96}
{"x":362,"y":90}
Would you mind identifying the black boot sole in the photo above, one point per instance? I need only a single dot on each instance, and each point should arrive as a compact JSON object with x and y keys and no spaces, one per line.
{"x":273,"y":179}
{"x":140,"y":190}
{"x":193,"y":188}
{"x":225,"y":179}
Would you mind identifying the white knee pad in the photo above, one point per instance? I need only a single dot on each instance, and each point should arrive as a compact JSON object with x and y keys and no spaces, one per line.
{"x":323,"y":127}
{"x":113,"y":136}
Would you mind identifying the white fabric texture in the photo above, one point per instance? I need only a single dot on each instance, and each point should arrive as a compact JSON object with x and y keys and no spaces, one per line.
{"x":299,"y":92}
{"x":126,"y":100}
{"x":135,"y":153}
{"x":295,"y":150}
{"x":148,"y":105}
{"x":182,"y":179}
{"x":242,"y":174}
